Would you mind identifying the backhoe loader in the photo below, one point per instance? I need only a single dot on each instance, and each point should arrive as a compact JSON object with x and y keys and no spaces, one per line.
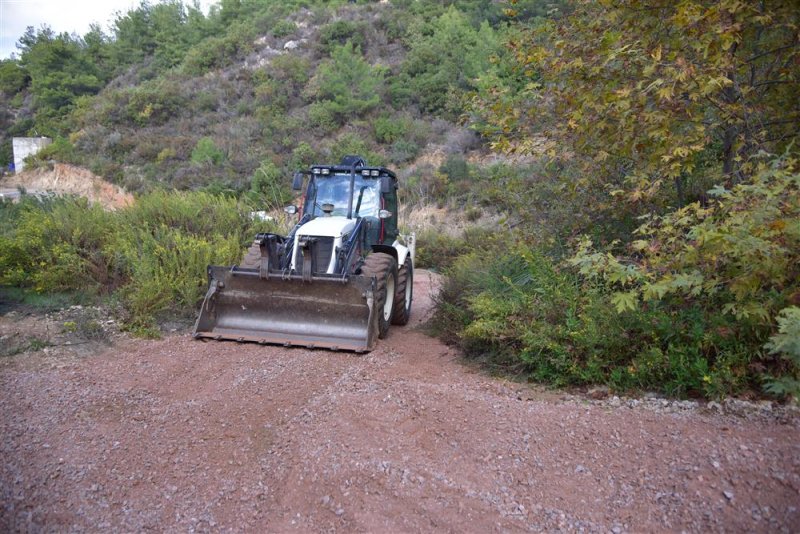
{"x":341,"y":276}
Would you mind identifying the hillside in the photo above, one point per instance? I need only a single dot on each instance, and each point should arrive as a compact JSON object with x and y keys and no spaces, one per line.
{"x":209,"y":102}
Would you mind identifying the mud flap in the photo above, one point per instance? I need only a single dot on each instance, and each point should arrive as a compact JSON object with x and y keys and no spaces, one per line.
{"x":325,"y":311}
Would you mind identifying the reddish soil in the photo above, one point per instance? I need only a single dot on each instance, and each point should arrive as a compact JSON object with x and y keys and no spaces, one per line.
{"x":183,"y":435}
{"x":65,"y":179}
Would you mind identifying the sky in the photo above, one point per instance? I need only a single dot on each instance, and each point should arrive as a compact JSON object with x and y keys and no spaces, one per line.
{"x":61,"y":15}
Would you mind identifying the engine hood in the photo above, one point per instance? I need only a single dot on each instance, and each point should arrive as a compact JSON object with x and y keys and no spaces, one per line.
{"x":327,"y":227}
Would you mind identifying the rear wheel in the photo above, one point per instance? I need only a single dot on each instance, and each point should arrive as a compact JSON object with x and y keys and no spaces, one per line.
{"x":403,"y":294}
{"x":384,"y":268}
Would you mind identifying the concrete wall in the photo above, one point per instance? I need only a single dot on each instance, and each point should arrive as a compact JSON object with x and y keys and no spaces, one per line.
{"x":26,"y":146}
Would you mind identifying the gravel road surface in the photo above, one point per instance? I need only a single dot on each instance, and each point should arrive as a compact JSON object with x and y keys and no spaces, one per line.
{"x":182,"y":435}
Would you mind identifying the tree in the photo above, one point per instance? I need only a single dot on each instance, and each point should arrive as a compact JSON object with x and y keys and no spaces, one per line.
{"x":60,"y":71}
{"x":13,"y":78}
{"x":649,"y":93}
{"x":346,"y":85}
{"x":446,"y":57}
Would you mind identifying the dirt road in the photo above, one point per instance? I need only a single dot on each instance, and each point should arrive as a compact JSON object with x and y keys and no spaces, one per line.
{"x":180,"y":435}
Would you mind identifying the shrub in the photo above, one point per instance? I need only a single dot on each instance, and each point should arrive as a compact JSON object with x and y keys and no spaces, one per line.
{"x":164,"y":244}
{"x":322,"y":116}
{"x":283,"y":27}
{"x":217,"y":52}
{"x":56,"y":244}
{"x":437,"y":250}
{"x":351,"y":143}
{"x":269,"y":188}
{"x":341,"y":32}
{"x":155,"y":102}
{"x":13,"y":77}
{"x":207,"y":152}
{"x":519,"y":310}
{"x":403,"y":151}
{"x":346,"y":84}
{"x":153,"y":254}
{"x":388,"y":130}
{"x":688,"y":312}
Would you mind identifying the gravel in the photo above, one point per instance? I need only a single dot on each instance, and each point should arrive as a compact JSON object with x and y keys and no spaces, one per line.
{"x":178,"y":434}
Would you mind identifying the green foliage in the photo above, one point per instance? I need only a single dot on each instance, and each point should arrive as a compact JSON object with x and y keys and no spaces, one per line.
{"x":282,"y":28}
{"x":155,"y":102}
{"x":734,"y":261}
{"x":207,"y":152}
{"x":60,"y":70}
{"x":738,"y":254}
{"x":164,"y":244}
{"x":302,"y":157}
{"x":153,"y":254}
{"x":445,"y":58}
{"x":346,"y":86}
{"x":340,"y":32}
{"x":269,"y":188}
{"x":217,"y":52}
{"x":390,"y":129}
{"x":350,"y":143}
{"x":786,"y":342}
{"x":164,"y":31}
{"x":55,"y":245}
{"x":13,"y":77}
{"x":520,"y":312}
{"x":655,"y":96}
{"x":60,"y":150}
{"x":437,"y":250}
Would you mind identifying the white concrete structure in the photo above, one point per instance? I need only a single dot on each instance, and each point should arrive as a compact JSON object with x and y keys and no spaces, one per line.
{"x":27,"y":146}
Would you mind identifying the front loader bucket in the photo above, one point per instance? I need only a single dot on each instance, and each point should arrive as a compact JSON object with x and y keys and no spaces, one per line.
{"x":326,"y":311}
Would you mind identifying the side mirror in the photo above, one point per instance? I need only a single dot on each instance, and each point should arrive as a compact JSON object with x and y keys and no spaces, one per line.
{"x":291,"y":210}
{"x":386,"y":184}
{"x":297,"y":182}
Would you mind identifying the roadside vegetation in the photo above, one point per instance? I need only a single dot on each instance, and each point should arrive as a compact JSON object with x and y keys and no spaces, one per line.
{"x":671,"y":131}
{"x":625,"y":176}
{"x":146,"y":260}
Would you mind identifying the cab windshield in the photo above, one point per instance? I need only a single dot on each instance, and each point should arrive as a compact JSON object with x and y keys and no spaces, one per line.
{"x":335,"y":189}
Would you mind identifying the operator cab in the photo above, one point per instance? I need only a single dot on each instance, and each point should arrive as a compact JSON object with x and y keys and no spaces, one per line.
{"x":354,"y":190}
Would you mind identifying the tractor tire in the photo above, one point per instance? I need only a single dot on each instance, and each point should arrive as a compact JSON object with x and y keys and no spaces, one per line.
{"x":403,"y":294}
{"x":384,"y":268}
{"x":252,"y":258}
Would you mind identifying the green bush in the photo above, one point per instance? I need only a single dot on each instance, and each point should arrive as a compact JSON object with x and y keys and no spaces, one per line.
{"x":207,"y":152}
{"x":152,"y":254}
{"x":269,"y":187}
{"x":217,"y":52}
{"x":56,"y":244}
{"x":340,"y":32}
{"x":346,"y":84}
{"x":282,"y":28}
{"x":155,"y":102}
{"x":13,"y":77}
{"x":403,"y":151}
{"x":322,"y":115}
{"x":388,"y":130}
{"x":520,"y":311}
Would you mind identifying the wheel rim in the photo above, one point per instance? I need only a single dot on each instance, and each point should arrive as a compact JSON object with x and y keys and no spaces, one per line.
{"x":389,"y":304}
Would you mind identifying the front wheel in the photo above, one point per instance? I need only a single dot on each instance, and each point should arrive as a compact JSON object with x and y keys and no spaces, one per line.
{"x":404,"y":293}
{"x":384,"y":268}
